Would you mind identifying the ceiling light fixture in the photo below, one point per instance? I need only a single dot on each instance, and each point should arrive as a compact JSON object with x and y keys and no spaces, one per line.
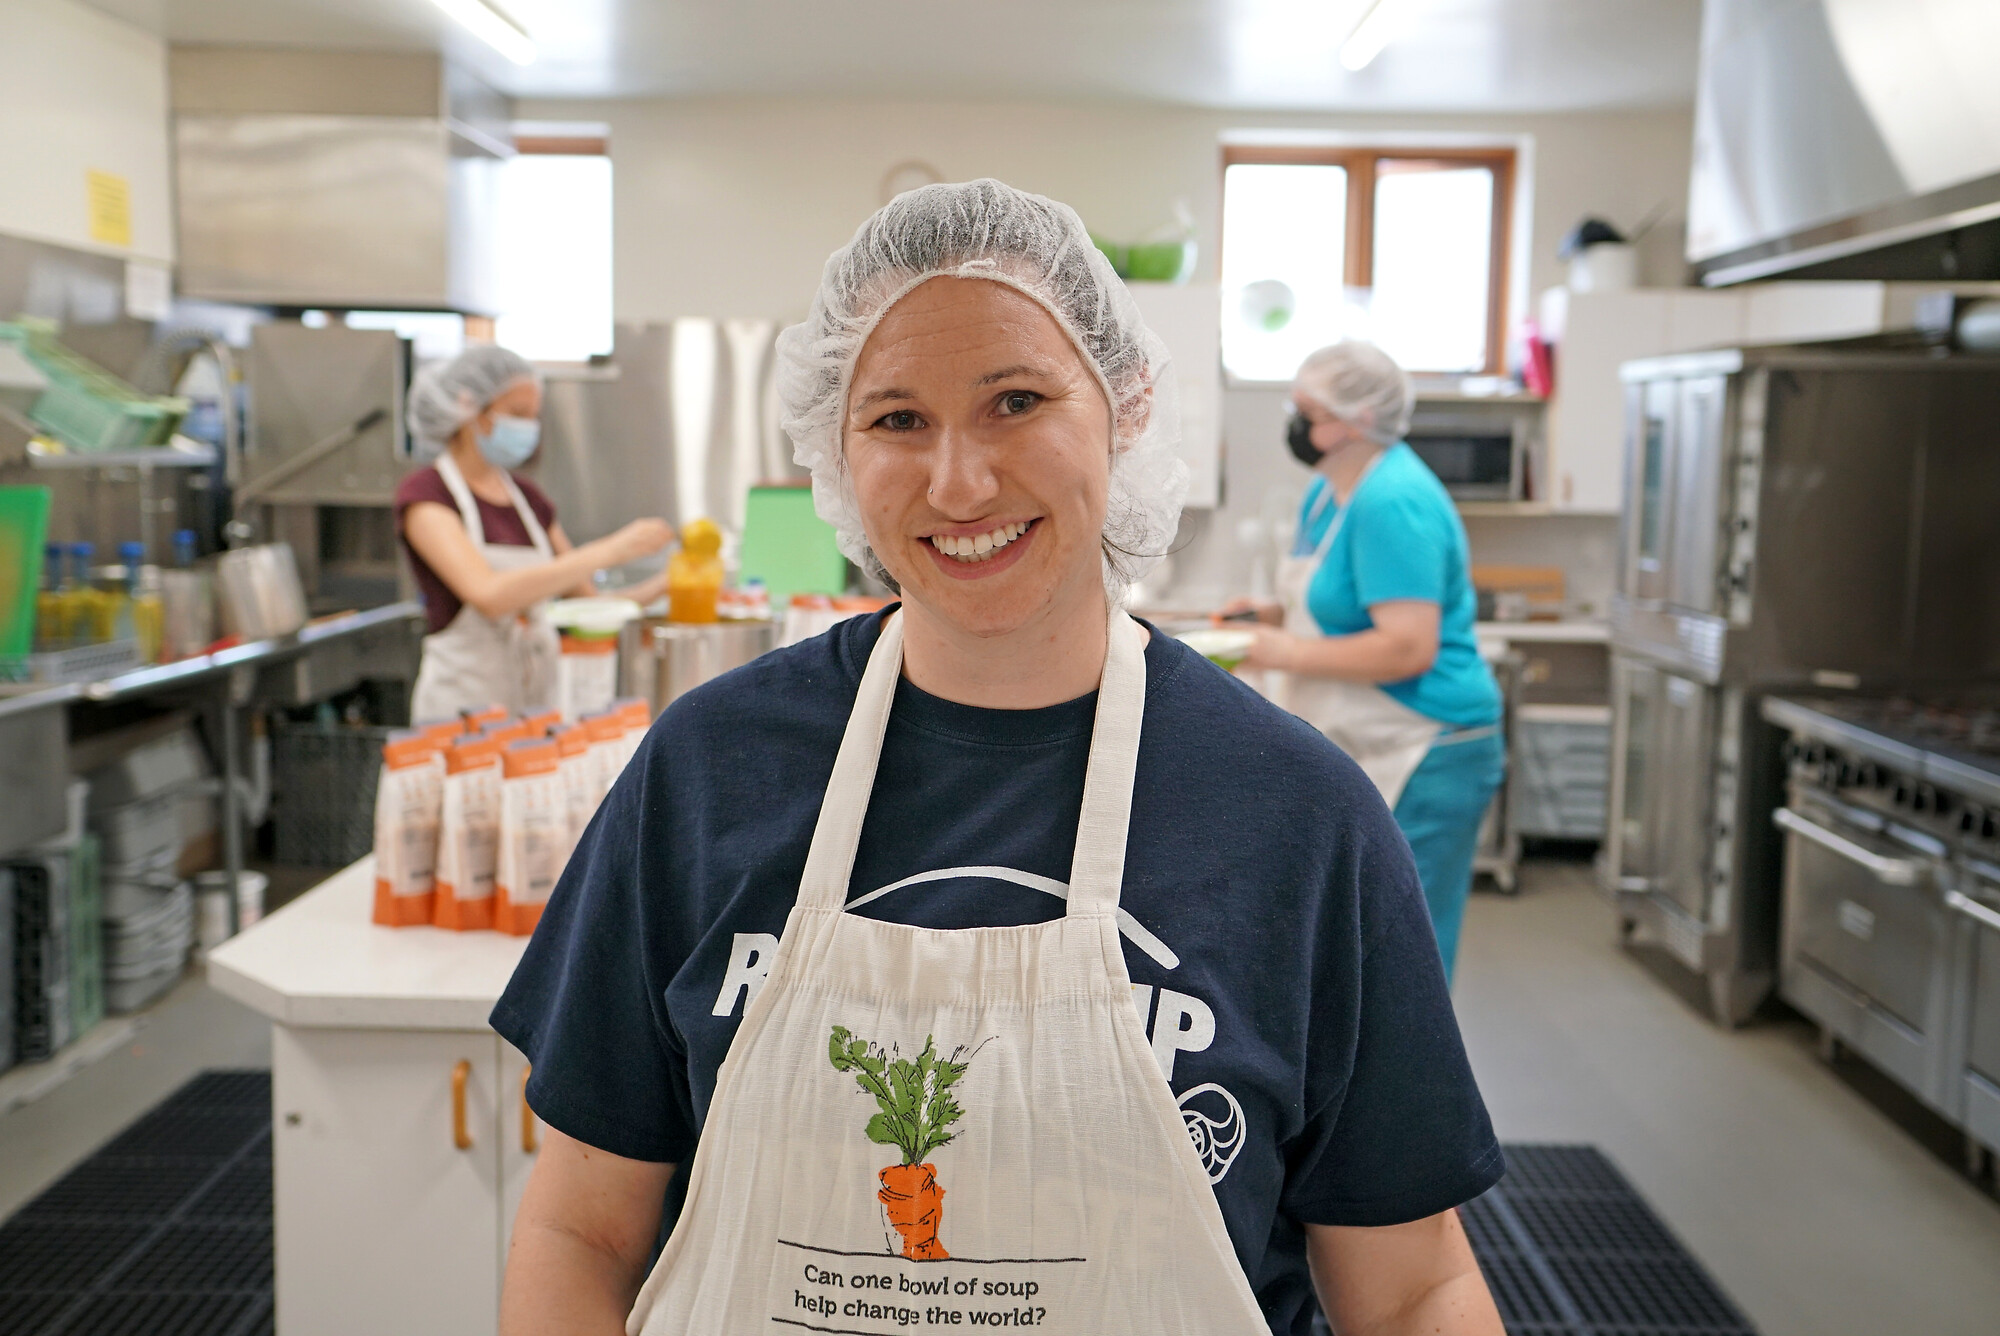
{"x":486,"y":22}
{"x":1376,"y":29}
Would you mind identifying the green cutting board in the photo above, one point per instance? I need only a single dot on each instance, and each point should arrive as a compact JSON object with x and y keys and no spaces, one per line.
{"x":24,"y":527}
{"x":789,"y":547}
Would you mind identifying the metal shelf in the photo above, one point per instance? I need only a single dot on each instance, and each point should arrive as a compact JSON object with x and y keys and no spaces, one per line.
{"x":182,"y":453}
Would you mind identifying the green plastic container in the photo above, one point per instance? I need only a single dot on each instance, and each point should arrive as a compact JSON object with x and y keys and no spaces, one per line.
{"x":86,"y":407}
{"x":24,"y":528}
{"x":789,"y":547}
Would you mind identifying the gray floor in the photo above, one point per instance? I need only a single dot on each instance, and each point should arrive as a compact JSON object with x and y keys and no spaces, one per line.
{"x":1819,"y":1215}
{"x":189,"y":1030}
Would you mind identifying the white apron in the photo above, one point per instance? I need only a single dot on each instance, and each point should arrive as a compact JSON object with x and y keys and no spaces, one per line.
{"x":1386,"y":738}
{"x":478,"y":660}
{"x":1045,"y":1176}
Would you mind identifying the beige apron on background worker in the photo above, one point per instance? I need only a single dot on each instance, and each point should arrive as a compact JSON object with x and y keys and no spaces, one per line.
{"x":1386,"y":738}
{"x":1044,"y":1178}
{"x":479,"y":660}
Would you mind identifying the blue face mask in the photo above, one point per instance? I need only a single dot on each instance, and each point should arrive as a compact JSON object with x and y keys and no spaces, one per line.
{"x":511,"y":441}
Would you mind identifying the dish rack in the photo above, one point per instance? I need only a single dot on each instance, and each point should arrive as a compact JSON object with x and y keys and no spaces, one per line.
{"x":85,"y":406}
{"x":75,"y":663}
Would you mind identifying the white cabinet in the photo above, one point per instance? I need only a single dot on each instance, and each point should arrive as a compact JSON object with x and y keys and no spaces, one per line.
{"x":401,"y":1141}
{"x":520,"y":1137}
{"x":1188,"y":319}
{"x":398,"y":1163}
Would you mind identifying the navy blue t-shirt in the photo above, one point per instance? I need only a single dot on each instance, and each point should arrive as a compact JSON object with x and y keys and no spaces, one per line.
{"x":1282,"y":960}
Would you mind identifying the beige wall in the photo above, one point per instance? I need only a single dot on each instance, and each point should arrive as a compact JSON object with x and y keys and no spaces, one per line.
{"x":730,"y":207}
{"x":81,"y":92}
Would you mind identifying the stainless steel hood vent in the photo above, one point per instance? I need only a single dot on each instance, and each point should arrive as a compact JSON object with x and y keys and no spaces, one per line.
{"x":341,"y":180}
{"x":1847,"y":139}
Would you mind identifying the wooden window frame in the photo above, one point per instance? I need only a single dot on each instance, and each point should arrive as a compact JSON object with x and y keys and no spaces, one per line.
{"x":566,"y":146}
{"x":1358,"y":266}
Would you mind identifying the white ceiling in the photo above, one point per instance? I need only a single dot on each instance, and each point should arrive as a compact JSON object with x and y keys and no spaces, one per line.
{"x":1453,"y":55}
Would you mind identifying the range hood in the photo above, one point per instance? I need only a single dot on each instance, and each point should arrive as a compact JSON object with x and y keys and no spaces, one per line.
{"x":335,"y":179}
{"x":1847,"y":139}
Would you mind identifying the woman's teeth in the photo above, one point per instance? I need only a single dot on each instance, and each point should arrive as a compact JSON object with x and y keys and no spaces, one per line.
{"x":978,"y":547}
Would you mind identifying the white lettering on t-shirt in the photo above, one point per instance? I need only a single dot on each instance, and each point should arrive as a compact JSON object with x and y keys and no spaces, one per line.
{"x":749,"y":966}
{"x":1182,"y":1024}
{"x":1142,"y":998}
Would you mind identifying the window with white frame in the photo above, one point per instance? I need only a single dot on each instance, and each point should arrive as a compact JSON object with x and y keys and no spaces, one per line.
{"x":1406,"y":247}
{"x":554,"y":248}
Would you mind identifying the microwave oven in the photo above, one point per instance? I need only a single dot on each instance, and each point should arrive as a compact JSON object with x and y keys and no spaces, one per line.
{"x":1476,"y":461}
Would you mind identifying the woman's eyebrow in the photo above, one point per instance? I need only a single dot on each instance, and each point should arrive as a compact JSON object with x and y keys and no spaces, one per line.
{"x":1009,"y":372}
{"x":873,"y":397}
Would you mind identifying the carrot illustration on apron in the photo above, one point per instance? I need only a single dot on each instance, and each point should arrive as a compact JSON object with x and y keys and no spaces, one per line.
{"x":917,"y":1108}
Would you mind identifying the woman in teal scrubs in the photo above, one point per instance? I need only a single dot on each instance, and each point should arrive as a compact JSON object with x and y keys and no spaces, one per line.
{"x":1374,"y":632}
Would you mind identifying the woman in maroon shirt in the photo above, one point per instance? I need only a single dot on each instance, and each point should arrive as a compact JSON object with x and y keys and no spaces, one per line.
{"x":485,"y":546}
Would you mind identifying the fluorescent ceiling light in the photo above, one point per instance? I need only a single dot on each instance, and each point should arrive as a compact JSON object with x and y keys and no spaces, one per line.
{"x":489,"y":25}
{"x":1377,"y":28}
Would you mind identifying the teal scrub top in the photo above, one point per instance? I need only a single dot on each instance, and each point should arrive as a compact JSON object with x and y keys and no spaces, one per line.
{"x":1402,"y":539}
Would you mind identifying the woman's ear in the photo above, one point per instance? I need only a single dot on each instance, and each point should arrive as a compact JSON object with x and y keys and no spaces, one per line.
{"x":1135,"y":413}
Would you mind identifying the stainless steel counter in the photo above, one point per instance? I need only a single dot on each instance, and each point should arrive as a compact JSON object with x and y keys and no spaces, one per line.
{"x":321,"y":659}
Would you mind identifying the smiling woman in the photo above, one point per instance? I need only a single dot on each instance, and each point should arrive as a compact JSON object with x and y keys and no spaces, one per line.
{"x":979,"y":447}
{"x":989,"y":822}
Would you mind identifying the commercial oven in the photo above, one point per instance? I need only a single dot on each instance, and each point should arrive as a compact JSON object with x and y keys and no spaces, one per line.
{"x":1794,"y":517}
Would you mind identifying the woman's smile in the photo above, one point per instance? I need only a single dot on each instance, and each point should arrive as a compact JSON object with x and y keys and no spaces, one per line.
{"x":987,"y":552}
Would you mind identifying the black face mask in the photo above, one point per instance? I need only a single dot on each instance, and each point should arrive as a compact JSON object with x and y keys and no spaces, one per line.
{"x":1298,"y":435}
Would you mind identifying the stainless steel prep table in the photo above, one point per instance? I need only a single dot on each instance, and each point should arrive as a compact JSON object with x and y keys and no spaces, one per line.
{"x":319,"y":660}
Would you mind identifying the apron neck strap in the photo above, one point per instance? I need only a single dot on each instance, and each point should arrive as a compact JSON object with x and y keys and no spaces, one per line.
{"x":468,"y":508}
{"x":1098,"y":866}
{"x":1097,"y":869}
{"x":837,"y":834}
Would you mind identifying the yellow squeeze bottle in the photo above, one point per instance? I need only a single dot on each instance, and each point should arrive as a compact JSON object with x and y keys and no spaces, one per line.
{"x":51,"y":604}
{"x":694,"y":574}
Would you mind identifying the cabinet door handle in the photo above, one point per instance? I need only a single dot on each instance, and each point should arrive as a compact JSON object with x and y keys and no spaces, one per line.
{"x":528,"y":1144}
{"x":461,"y":1135}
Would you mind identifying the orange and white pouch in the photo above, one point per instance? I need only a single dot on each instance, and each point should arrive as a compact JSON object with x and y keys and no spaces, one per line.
{"x":607,"y":751}
{"x":409,"y":802}
{"x":638,"y":717}
{"x":578,"y":772}
{"x":534,"y":823}
{"x":468,"y":833}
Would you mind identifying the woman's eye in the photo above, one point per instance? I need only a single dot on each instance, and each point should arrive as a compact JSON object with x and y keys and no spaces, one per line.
{"x":900,"y":420}
{"x":1015,"y":402}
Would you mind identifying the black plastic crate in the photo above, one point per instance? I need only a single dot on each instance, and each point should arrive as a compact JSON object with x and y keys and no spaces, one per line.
{"x":41,"y":957}
{"x":6,"y":968}
{"x":323,"y":792}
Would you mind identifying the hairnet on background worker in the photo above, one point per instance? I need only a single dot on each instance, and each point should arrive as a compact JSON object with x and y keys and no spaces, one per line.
{"x":485,"y":547}
{"x":445,"y":396}
{"x":986,"y":229}
{"x":1372,"y":640}
{"x":1355,"y":380}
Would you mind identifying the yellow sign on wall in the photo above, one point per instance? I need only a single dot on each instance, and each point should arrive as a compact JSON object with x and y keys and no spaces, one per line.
{"x":110,"y":201}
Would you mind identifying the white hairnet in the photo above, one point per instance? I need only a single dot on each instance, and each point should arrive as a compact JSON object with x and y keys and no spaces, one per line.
{"x":985,"y":229}
{"x":1351,"y":376}
{"x":445,"y":396}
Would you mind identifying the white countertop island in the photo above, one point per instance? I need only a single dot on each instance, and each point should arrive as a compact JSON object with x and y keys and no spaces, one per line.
{"x":401,"y":1137}
{"x":319,"y":962}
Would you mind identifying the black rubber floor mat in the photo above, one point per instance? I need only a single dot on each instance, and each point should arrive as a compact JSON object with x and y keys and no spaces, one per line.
{"x":1570,"y":1249}
{"x":166,"y":1231}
